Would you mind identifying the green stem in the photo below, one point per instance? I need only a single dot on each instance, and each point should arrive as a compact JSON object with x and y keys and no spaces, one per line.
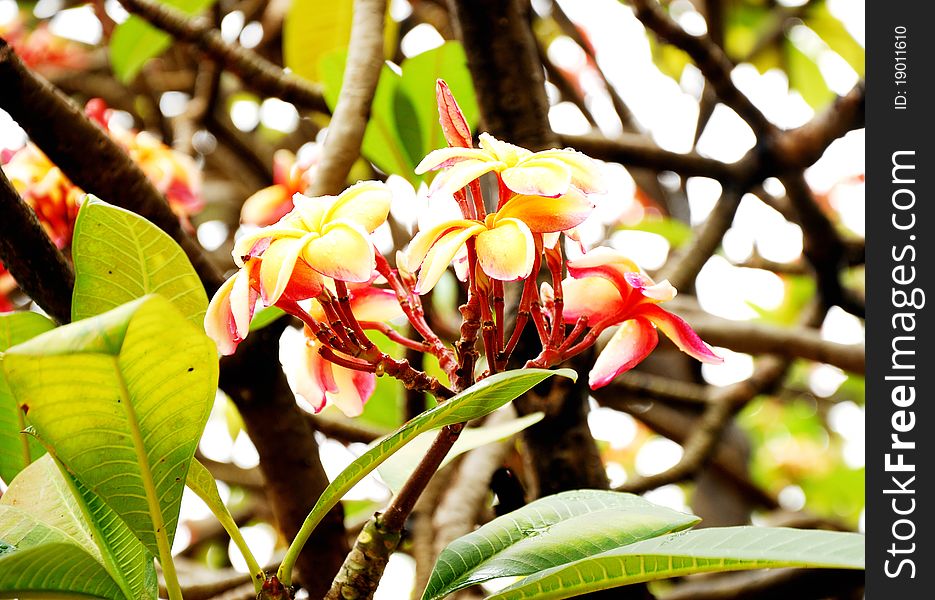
{"x":152,"y":499}
{"x":227,"y":522}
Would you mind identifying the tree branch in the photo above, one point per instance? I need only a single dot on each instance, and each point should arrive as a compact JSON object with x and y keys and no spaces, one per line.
{"x":31,"y":257}
{"x":352,"y":112}
{"x":88,"y":156}
{"x":255,"y":71}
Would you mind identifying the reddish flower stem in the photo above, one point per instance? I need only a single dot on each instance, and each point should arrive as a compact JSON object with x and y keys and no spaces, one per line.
{"x":477,"y":195}
{"x":345,"y":361}
{"x":395,"y":335}
{"x":553,"y":258}
{"x":498,"y":305}
{"x":412,"y":307}
{"x":347,"y":314}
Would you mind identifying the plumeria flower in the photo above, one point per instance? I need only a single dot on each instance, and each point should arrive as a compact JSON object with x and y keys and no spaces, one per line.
{"x":321,"y":237}
{"x":505,"y":245}
{"x":609,"y":289}
{"x":173,"y":173}
{"x":230,"y":311}
{"x":51,"y":195}
{"x":42,"y":50}
{"x":290,"y":177}
{"x":548,"y":173}
{"x":322,"y":383}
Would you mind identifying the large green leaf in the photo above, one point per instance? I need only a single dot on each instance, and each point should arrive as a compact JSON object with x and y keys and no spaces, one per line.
{"x":417,"y":90}
{"x":396,"y":470}
{"x":702,"y":551}
{"x":67,"y":540}
{"x":122,"y":399}
{"x":135,"y":41}
{"x":119,"y":256}
{"x":312,"y":29}
{"x":550,"y":532}
{"x":477,"y":401}
{"x":382,"y":144}
{"x":16,"y":448}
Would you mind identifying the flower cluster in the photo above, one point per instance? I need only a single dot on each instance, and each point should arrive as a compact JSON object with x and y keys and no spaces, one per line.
{"x":42,"y":50}
{"x":318,"y":263}
{"x":174,"y":174}
{"x":55,"y":199}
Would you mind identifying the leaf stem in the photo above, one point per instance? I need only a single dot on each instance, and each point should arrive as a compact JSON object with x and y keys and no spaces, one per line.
{"x":152,"y":500}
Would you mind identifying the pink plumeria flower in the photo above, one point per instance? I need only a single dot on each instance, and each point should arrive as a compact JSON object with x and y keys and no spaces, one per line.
{"x":505,"y":245}
{"x":230,"y":311}
{"x":290,"y":176}
{"x":322,"y":383}
{"x":609,"y":289}
{"x":548,"y":173}
{"x":321,"y":237}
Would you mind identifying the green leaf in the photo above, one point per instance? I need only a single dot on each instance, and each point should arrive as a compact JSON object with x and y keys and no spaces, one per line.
{"x":122,"y":399}
{"x":417,"y":93}
{"x":119,"y":256}
{"x":805,"y":77}
{"x":265,"y":316}
{"x":382,"y":144}
{"x":17,"y":449}
{"x":550,"y":532}
{"x":397,"y":469}
{"x":67,"y":540}
{"x":836,"y":35}
{"x":202,"y":483}
{"x":477,"y":401}
{"x":675,"y":232}
{"x":312,"y":29}
{"x":135,"y":41}
{"x":702,"y":551}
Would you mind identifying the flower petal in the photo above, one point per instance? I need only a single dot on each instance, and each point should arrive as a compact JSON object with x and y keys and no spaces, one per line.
{"x":343,"y":251}
{"x":547,"y":215}
{"x":446,"y":157}
{"x":461,"y":174}
{"x":375,"y":304}
{"x":593,"y":297}
{"x":277,"y":265}
{"x":266,"y":206}
{"x":354,"y":388}
{"x":503,"y":151}
{"x":242,"y":303}
{"x":310,"y":376}
{"x":454,"y":125}
{"x":219,"y":322}
{"x":630,"y":344}
{"x":366,"y":203}
{"x":440,"y":256}
{"x":508,"y":251}
{"x":585,"y":174}
{"x":604,"y":262}
{"x":660,"y":292}
{"x":680,"y":333}
{"x":245,"y":245}
{"x":425,"y":239}
{"x":538,"y":177}
{"x":283,"y":160}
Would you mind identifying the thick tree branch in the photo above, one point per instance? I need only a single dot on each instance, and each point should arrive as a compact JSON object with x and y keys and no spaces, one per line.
{"x":634,"y":150}
{"x":31,"y":257}
{"x":703,"y":442}
{"x":255,"y":71}
{"x":759,"y":338}
{"x":88,"y":156}
{"x":352,"y":112}
{"x":708,"y":57}
{"x":505,"y":67}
